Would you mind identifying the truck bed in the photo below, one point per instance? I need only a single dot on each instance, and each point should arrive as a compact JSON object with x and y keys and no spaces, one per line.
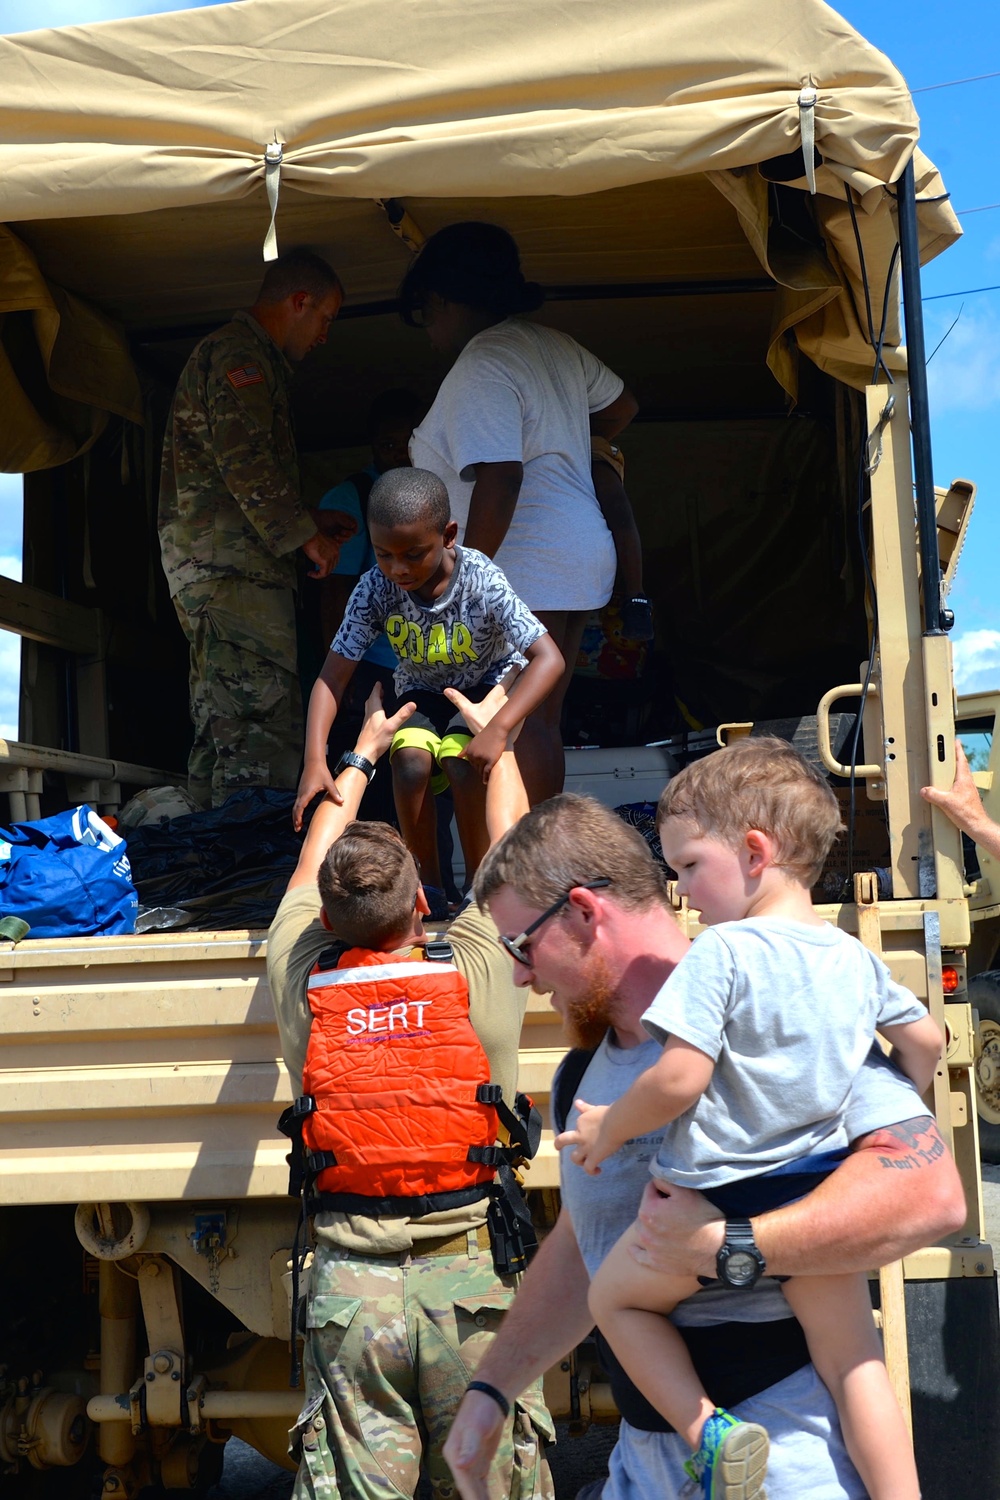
{"x":149,"y":1067}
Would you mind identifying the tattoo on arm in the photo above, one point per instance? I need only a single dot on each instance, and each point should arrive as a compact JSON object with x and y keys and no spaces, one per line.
{"x":908,"y":1146}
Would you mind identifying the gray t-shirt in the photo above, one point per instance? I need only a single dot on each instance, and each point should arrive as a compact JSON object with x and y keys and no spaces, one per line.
{"x":472,"y":634}
{"x":787,"y":1012}
{"x":602,"y":1208}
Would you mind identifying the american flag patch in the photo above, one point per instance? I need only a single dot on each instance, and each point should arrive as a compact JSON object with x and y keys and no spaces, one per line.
{"x":245,"y":375}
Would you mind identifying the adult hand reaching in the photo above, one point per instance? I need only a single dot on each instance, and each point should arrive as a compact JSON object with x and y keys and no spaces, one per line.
{"x":963,"y":806}
{"x":478,"y":715}
{"x":378,"y":729}
{"x":490,"y":739}
{"x":324,"y":552}
{"x":334,"y":523}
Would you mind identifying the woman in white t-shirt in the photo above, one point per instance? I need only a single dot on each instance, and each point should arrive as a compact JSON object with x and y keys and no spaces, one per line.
{"x":509,"y":434}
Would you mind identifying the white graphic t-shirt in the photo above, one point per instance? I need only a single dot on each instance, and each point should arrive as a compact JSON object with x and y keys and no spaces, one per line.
{"x":472,"y":634}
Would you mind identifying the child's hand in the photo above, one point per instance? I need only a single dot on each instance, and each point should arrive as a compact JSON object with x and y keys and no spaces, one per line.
{"x":315,"y":778}
{"x":590,"y":1150}
{"x":485,"y":750}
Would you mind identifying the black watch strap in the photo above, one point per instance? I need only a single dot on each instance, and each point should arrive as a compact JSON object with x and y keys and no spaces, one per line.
{"x":349,"y":758}
{"x":739,"y":1235}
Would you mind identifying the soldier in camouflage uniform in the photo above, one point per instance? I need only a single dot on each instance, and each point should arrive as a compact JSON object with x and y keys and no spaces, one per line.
{"x":230,"y":521}
{"x":399,"y":1310}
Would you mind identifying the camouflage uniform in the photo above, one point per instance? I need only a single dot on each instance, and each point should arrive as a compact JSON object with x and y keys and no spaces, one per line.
{"x":399,"y":1311}
{"x":230,"y":520}
{"x":392,"y":1341}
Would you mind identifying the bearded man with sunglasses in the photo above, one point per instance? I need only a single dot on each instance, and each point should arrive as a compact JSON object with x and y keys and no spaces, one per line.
{"x":403,"y":1296}
{"x":582,"y":910}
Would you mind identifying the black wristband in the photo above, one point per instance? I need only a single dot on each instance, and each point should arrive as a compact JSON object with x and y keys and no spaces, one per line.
{"x":492,"y":1392}
{"x":359,"y":762}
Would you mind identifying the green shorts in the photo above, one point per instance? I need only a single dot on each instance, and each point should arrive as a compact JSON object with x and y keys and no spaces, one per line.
{"x":437,"y":727}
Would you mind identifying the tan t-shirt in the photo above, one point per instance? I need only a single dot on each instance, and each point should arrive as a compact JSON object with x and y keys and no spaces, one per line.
{"x":496,"y":1008}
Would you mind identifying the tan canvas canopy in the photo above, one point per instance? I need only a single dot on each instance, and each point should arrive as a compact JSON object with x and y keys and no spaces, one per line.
{"x":135,"y":153}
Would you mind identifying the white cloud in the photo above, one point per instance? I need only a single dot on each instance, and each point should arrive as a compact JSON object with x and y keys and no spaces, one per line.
{"x":964,"y":374}
{"x":10,"y":676}
{"x":976,"y":656}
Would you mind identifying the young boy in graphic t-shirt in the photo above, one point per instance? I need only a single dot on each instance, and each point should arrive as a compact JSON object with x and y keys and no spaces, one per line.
{"x":453,"y":621}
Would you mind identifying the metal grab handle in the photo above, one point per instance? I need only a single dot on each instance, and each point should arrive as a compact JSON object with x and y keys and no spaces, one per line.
{"x":846,"y":690}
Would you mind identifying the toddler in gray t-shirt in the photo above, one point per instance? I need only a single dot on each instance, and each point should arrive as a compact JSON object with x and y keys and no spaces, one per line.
{"x":765,"y":1023}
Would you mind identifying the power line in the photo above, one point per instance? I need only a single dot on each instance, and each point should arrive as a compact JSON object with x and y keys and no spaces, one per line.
{"x":953,"y":83}
{"x":944,"y":336}
{"x":969,"y":292}
{"x":982,"y":209}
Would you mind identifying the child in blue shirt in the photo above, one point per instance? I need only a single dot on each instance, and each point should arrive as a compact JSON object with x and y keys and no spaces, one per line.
{"x":391,"y":420}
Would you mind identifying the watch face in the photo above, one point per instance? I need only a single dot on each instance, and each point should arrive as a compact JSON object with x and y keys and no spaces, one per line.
{"x":742,"y":1269}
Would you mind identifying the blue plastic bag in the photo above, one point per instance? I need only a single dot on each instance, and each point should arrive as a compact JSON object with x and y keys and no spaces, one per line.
{"x":67,"y":876}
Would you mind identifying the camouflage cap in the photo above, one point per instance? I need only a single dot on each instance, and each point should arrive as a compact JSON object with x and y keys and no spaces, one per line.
{"x":158,"y":804}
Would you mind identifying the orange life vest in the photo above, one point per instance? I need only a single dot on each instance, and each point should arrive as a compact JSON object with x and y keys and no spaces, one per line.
{"x":399,"y":1115}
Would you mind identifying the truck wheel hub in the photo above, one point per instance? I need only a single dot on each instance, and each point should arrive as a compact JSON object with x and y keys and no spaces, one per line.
{"x":988,"y":1072}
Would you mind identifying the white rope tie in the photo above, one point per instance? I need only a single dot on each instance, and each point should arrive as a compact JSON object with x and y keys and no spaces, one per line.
{"x":807,"y":125}
{"x":272,"y":181}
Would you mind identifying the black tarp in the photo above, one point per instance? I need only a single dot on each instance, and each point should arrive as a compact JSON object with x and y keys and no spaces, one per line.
{"x":223,"y":869}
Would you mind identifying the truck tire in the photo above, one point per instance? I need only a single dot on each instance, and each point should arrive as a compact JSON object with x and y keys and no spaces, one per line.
{"x":954,"y":1337}
{"x":984,"y":997}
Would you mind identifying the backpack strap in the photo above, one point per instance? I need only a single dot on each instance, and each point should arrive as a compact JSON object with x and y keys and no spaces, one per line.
{"x":569,"y":1076}
{"x":330,"y":957}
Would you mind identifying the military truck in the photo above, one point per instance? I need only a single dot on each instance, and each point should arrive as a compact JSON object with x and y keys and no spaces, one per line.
{"x":731,"y":238}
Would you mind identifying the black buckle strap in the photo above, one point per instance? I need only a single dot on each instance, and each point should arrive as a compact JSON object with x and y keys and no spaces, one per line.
{"x":523,"y":1125}
{"x":439,"y":951}
{"x":489,"y":1093}
{"x":304,"y":1105}
{"x":318,"y":1161}
{"x":487,"y":1156}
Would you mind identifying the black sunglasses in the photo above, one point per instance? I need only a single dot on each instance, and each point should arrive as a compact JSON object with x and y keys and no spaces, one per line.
{"x":515,"y":945}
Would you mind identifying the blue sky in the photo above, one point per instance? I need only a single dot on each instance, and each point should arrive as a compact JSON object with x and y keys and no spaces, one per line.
{"x":931,"y":42}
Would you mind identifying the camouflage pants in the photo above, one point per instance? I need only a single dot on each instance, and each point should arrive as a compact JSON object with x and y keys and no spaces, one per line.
{"x":244,"y":690}
{"x":391,"y":1343}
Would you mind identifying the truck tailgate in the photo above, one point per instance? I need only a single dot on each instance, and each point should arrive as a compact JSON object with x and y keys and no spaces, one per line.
{"x":148,"y":1068}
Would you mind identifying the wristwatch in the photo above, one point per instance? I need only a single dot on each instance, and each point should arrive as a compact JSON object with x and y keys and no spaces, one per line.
{"x":739,"y":1264}
{"x":349,"y":758}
